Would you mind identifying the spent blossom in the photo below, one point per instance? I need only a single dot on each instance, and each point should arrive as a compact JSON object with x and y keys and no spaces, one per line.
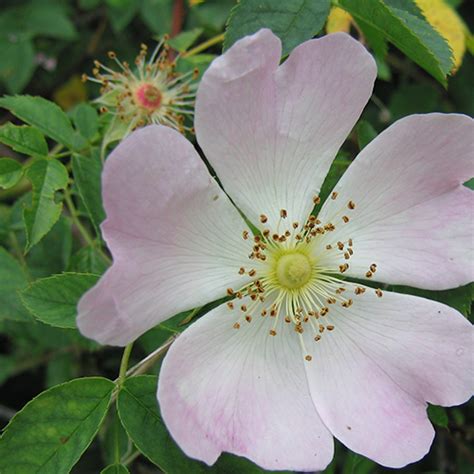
{"x":151,"y":92}
{"x":299,"y":352}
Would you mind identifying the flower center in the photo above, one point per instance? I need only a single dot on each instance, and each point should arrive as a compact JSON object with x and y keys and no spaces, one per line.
{"x":293,"y":270}
{"x":148,"y":96}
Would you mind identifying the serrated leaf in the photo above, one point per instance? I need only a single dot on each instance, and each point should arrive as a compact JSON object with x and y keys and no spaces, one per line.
{"x":86,"y":120}
{"x":438,"y":415}
{"x":47,"y":177}
{"x":10,"y":172}
{"x":24,"y":139}
{"x":45,"y":115}
{"x":12,"y":280}
{"x":293,"y":21}
{"x":53,"y":430}
{"x":53,"y":300}
{"x":115,"y":469}
{"x":402,"y":24}
{"x":87,"y":172}
{"x":88,"y":260}
{"x":138,"y":410}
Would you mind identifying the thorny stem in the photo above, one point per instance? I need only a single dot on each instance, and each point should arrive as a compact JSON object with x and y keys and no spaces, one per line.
{"x":201,"y":47}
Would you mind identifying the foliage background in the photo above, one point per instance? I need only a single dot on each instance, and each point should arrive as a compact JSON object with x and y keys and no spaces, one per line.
{"x":45,"y":47}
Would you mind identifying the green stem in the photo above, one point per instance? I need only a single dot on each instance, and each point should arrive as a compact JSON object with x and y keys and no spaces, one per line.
{"x":124,"y":364}
{"x":82,"y":230}
{"x":201,"y":47}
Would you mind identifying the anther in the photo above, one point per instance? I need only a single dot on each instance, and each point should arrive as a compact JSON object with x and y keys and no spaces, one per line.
{"x":334,"y":195}
{"x":331,"y":300}
{"x":345,"y":219}
{"x":252,"y":272}
{"x":359,"y":290}
{"x":245,"y":234}
{"x":346,"y":304}
{"x":317,"y":338}
{"x":379,"y":292}
{"x":340,"y":246}
{"x":343,"y":267}
{"x":283,"y":213}
{"x":316,"y":200}
{"x":321,"y":328}
{"x":324,"y":310}
{"x":272,"y":332}
{"x":350,"y":242}
{"x":368,"y":274}
{"x":287,"y":319}
{"x":308,"y":358}
{"x":295,"y":225}
{"x":263,"y":218}
{"x":351,"y":205}
{"x":111,"y":55}
{"x":243,"y":308}
{"x":230,"y":305}
{"x":236,"y":326}
{"x":230,"y":291}
{"x":328,"y":247}
{"x":264,"y":312}
{"x":241,"y":270}
{"x":347,"y":255}
{"x":248,"y":318}
{"x":266,"y":232}
{"x":373,"y":268}
{"x":329,"y":327}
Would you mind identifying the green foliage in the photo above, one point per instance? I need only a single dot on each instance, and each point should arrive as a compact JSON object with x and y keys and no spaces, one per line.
{"x":86,"y":120}
{"x":12,"y":279}
{"x":401,"y":23}
{"x":24,"y":139}
{"x":44,"y":115}
{"x":47,"y":177}
{"x":293,"y":21}
{"x":365,"y":133}
{"x":53,"y":300}
{"x":184,"y":40}
{"x":10,"y":172}
{"x":55,"y":428}
{"x":438,"y":416}
{"x":87,"y":172}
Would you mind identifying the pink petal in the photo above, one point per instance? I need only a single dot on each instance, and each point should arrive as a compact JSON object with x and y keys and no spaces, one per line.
{"x":242,"y":391}
{"x":385,"y":357}
{"x":413,"y":217}
{"x":272,"y":132}
{"x":174,"y":235}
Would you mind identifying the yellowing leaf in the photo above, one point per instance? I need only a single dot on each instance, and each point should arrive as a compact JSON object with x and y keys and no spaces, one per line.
{"x":338,"y":20}
{"x":444,"y":19}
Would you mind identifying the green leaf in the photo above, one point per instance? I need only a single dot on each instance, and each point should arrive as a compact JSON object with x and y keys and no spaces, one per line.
{"x":53,"y":300}
{"x":365,"y":133}
{"x":293,"y":21}
{"x":115,"y":443}
{"x":12,"y":280}
{"x":10,"y":172}
{"x":121,"y":12}
{"x":17,"y":63}
{"x":438,"y":416}
{"x":45,"y":115}
{"x":86,"y":120}
{"x":138,"y":411}
{"x":115,"y":469}
{"x":414,"y":99}
{"x":185,"y":39}
{"x":87,"y":172}
{"x":53,"y":430}
{"x":24,"y":139}
{"x":88,"y":260}
{"x":402,"y":24}
{"x":156,"y":14}
{"x":47,"y":177}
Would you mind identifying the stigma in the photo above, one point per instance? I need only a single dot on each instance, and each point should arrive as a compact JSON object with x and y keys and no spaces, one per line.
{"x":298,"y":276}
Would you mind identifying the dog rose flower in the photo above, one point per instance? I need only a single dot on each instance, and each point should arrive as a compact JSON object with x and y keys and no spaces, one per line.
{"x":299,"y":353}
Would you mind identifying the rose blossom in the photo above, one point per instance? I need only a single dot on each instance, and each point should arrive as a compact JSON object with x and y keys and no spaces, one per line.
{"x":298,"y":354}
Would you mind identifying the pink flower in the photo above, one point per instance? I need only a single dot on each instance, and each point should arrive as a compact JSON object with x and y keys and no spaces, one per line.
{"x":299,"y":354}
